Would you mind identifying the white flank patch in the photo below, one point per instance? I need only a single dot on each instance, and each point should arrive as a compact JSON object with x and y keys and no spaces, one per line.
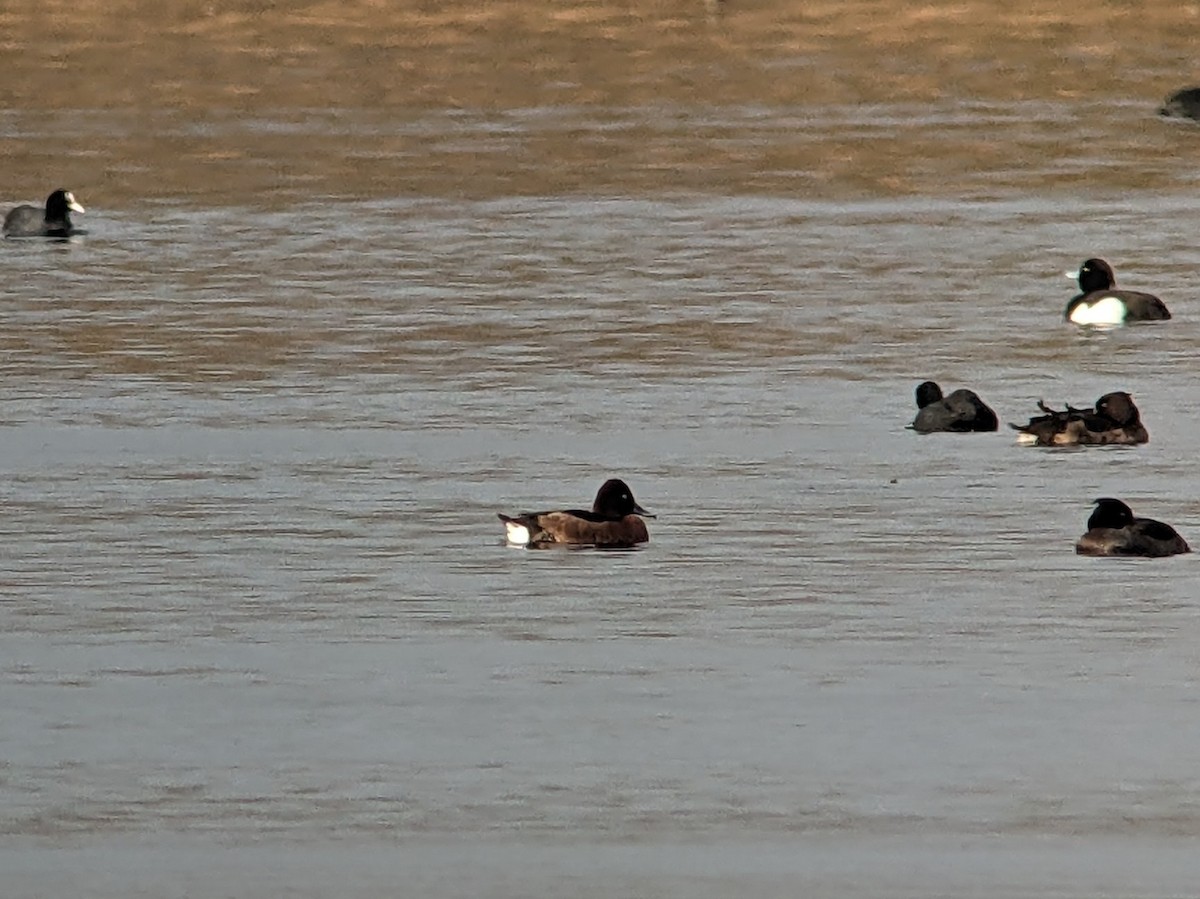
{"x":1025,"y":439}
{"x":72,"y":205}
{"x":517,"y":533}
{"x":1104,"y":311}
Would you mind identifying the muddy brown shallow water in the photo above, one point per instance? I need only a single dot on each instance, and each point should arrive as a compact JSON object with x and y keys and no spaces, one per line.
{"x":356,"y":278}
{"x":263,"y":104}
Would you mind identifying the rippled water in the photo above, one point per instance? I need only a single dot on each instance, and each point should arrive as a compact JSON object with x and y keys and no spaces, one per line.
{"x":259,"y":634}
{"x":256,"y":591}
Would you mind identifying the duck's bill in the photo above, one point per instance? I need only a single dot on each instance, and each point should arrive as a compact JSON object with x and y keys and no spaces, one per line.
{"x":73,"y":204}
{"x":640,"y":511}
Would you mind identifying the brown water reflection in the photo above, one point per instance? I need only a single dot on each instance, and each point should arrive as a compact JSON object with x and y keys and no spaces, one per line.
{"x":260,"y":103}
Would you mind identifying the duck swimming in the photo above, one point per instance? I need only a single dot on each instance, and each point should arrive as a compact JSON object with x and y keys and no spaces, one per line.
{"x":962,"y":411}
{"x":1114,"y":420}
{"x":1101,"y":303}
{"x":612,"y":522}
{"x":53,"y":221}
{"x":1113,"y":530}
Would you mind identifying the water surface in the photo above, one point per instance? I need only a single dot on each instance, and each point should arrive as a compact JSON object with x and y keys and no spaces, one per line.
{"x":258,"y":630}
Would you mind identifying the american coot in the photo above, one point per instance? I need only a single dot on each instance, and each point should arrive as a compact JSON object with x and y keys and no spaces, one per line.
{"x":961,"y":411}
{"x":1114,"y":531}
{"x":1114,"y":420}
{"x":53,"y":221}
{"x":612,"y":522}
{"x":1100,"y":303}
{"x":1183,"y":104}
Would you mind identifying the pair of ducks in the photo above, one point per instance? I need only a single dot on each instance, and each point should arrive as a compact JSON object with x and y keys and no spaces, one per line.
{"x":614,"y":523}
{"x":52,"y":221}
{"x":1099,"y":302}
{"x":1114,"y":419}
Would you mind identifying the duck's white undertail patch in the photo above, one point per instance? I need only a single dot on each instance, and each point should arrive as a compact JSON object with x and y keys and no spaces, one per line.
{"x":1104,"y":311}
{"x":517,"y":533}
{"x":1026,"y":439}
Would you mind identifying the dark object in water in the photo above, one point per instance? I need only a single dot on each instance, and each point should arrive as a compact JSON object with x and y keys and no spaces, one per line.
{"x":1114,"y":420}
{"x":1114,"y":531}
{"x":1183,"y":104}
{"x":962,"y":411}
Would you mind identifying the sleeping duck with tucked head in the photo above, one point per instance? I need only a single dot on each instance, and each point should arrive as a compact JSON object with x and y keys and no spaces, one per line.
{"x":1113,"y":530}
{"x":1114,"y":420}
{"x":962,"y":411}
{"x":1101,"y":303}
{"x":615,"y":521}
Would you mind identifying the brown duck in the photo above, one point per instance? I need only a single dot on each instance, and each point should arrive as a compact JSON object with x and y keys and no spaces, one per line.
{"x":1114,"y":420}
{"x":613,"y":522}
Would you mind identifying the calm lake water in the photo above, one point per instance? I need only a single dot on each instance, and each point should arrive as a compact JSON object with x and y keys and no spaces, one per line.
{"x":259,"y":633}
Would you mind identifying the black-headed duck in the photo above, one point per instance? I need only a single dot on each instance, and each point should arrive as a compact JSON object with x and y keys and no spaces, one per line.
{"x":612,"y":522}
{"x":1101,"y":303}
{"x":962,"y":411}
{"x":53,"y":221}
{"x":1114,"y":531}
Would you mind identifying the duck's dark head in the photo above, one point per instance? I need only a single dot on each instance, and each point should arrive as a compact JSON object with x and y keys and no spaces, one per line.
{"x":1096,"y":274}
{"x":615,"y":500}
{"x":1119,"y":407}
{"x":60,"y":205}
{"x":1110,"y":513}
{"x":927,"y":392}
